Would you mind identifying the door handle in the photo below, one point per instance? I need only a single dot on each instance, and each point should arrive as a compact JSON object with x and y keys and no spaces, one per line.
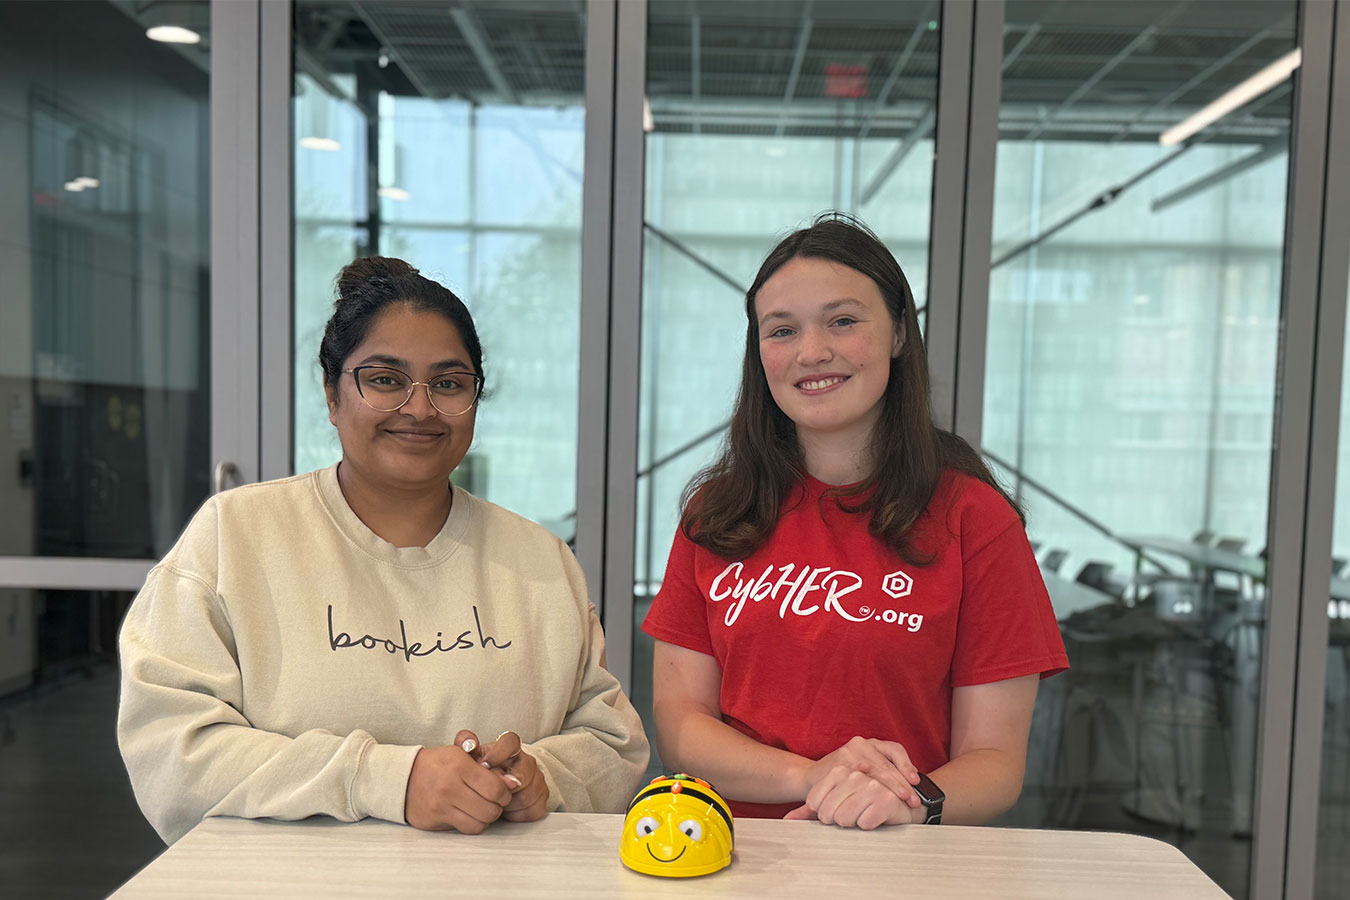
{"x":224,"y":469}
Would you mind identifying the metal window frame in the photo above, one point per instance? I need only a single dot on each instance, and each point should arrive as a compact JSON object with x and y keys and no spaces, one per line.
{"x":1299,"y":554}
{"x":986,"y":94}
{"x":970,"y":84}
{"x":624,"y":268}
{"x":947,"y":226}
{"x":251,"y":226}
{"x":1327,"y":284}
{"x":597,"y":228}
{"x":235,"y":35}
{"x":611,"y":317}
{"x":275,"y":289}
{"x":63,"y":573}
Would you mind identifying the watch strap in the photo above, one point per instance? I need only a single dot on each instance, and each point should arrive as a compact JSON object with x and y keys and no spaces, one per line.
{"x":932,"y":798}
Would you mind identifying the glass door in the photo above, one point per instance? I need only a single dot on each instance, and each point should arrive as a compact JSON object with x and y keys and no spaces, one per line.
{"x":1139,"y":238}
{"x":105,"y":343}
{"x":106,"y":350}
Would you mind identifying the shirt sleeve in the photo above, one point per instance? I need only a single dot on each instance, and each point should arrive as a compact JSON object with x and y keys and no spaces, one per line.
{"x":1006,"y":627}
{"x":596,"y":761}
{"x":191,"y":753}
{"x":679,"y":613}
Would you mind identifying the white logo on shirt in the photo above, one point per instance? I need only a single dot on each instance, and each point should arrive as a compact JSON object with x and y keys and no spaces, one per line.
{"x":897,"y":584}
{"x":794,"y":592}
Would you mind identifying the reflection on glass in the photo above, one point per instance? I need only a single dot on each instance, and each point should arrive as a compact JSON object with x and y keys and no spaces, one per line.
{"x":452,"y":137}
{"x":762,"y":116}
{"x":1130,"y":394}
{"x":103,"y":244}
{"x":1332,"y":878}
{"x":59,"y":747}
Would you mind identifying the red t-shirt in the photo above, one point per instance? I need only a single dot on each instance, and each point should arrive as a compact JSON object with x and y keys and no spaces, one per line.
{"x":825,"y":633}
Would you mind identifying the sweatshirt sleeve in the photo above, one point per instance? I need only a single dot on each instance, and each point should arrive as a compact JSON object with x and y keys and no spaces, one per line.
{"x":597,"y":760}
{"x":191,"y":753}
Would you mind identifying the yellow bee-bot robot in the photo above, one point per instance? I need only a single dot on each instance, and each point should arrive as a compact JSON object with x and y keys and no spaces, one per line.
{"x":677,"y":826}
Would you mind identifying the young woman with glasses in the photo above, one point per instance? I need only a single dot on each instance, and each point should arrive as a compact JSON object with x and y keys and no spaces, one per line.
{"x":850,"y":605}
{"x":367,"y":639}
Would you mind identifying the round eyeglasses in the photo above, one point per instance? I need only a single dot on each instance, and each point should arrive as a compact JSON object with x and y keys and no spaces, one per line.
{"x":386,"y":389}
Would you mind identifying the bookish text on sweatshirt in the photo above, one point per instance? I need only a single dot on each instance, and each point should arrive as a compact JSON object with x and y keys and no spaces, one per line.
{"x":342,"y":640}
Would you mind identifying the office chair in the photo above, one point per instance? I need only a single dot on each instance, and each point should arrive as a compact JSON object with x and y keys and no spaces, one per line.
{"x":1228,"y":585}
{"x":1185,"y":688}
{"x":1054,"y":559}
{"x":1099,"y":575}
{"x":1179,"y":599}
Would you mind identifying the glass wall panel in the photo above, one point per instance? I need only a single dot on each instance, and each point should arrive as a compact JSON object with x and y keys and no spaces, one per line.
{"x":1332,"y":879}
{"x":763,"y":114}
{"x":452,"y":136}
{"x":104,"y":242}
{"x":104,"y":396}
{"x":1130,"y":395}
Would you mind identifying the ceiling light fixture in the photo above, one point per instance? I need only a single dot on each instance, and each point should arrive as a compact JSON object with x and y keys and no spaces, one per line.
{"x":328,"y":145}
{"x":73,"y":186}
{"x":1253,"y":87}
{"x":173,"y":34}
{"x":394,"y":193}
{"x":84,"y":181}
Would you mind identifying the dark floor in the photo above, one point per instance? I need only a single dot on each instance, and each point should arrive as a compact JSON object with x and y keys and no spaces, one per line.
{"x":69,"y":825}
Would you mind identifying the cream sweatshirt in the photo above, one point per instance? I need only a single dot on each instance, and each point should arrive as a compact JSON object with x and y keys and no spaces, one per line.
{"x":284,"y":661}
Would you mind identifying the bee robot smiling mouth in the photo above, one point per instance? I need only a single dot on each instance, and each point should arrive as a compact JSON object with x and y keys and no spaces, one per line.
{"x":659,"y":859}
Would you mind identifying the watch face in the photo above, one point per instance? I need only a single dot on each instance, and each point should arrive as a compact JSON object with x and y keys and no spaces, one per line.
{"x":929,"y":793}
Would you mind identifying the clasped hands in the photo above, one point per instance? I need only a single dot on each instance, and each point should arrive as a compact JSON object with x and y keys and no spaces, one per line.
{"x":468,"y":785}
{"x":866,"y":783}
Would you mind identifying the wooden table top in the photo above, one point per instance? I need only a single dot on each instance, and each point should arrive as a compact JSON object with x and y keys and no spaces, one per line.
{"x":576,"y":855}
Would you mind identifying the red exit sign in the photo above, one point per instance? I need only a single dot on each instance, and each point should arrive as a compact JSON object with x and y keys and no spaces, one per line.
{"x":845,"y":80}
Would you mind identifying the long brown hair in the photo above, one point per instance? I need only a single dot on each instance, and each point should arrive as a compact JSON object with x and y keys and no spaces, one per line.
{"x":733,"y":505}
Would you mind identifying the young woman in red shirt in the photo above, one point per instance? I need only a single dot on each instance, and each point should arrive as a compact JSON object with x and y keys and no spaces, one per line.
{"x":852,"y":623}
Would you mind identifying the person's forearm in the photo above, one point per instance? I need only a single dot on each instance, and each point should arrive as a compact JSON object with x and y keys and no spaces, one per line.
{"x":979,"y":785}
{"x":691,"y":740}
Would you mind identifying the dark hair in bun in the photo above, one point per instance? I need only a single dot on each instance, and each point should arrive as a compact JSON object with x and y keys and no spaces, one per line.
{"x":366,"y":287}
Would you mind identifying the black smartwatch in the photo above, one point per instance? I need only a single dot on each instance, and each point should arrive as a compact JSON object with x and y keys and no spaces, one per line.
{"x":931,"y":796}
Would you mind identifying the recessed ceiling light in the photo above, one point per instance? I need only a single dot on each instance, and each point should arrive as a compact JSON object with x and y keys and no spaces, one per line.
{"x":85,"y":181}
{"x":394,"y":193}
{"x":73,"y":186}
{"x":328,"y":145}
{"x":173,"y":34}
